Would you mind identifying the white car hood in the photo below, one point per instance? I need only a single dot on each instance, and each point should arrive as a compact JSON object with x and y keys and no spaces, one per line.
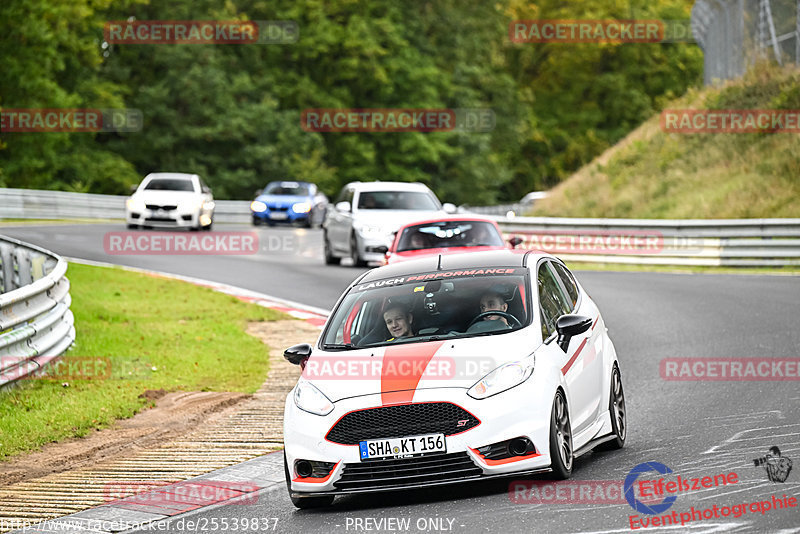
{"x":165,"y":197}
{"x":397,"y":371}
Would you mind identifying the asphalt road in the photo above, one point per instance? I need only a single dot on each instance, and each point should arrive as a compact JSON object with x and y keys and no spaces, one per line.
{"x":696,"y":428}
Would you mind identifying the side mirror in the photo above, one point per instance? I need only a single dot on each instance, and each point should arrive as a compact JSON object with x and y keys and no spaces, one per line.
{"x":515,"y":241}
{"x":298,"y":353}
{"x":343,"y":206}
{"x":449,"y":208}
{"x":258,"y":192}
{"x":569,"y":326}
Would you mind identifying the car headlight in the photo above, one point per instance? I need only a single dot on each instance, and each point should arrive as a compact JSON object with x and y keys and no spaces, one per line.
{"x":503,"y":378}
{"x":208,"y":205}
{"x":301,"y":207}
{"x":134,"y":204}
{"x":309,"y":399}
{"x":367,"y":230}
{"x":258,"y":206}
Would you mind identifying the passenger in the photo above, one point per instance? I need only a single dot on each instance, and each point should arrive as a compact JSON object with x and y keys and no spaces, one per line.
{"x":417,"y":242}
{"x":398,"y":321}
{"x":494,"y":301}
{"x":479,"y":236}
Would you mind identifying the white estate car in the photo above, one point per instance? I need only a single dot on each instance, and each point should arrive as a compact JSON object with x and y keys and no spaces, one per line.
{"x":171,"y":200}
{"x":365,"y":215}
{"x":452,"y":368}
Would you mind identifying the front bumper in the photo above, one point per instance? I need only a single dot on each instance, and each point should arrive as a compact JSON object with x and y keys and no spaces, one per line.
{"x":501,"y":419}
{"x":285,"y":216}
{"x":370,"y":248}
{"x":168,"y":219}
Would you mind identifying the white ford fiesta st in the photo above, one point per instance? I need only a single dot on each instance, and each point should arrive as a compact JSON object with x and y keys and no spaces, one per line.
{"x":448,"y":369}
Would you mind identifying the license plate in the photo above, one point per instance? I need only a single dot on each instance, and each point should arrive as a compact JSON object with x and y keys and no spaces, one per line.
{"x":402,"y":447}
{"x":278,"y":215}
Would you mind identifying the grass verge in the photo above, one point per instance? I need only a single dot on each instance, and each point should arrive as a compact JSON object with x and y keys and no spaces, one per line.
{"x":656,"y":175}
{"x":137,"y":333}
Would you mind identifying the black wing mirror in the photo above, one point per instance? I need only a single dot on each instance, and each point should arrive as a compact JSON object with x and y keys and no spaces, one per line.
{"x":569,"y":326}
{"x":515,"y":241}
{"x":298,"y":353}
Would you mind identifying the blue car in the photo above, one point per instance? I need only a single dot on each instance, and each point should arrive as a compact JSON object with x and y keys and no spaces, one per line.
{"x":289,"y":202}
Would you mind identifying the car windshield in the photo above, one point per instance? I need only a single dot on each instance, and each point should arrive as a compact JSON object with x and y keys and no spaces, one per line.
{"x":286,"y":188}
{"x":170,"y":184}
{"x":449,"y":234}
{"x":396,"y":200}
{"x":430,"y":306}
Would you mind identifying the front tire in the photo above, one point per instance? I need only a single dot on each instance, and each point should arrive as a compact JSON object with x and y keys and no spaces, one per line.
{"x":561,"y":451}
{"x":330,"y":259}
{"x":357,"y":261}
{"x":304,"y":503}
{"x":618,"y":413}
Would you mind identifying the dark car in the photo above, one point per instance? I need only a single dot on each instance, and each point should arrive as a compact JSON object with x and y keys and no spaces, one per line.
{"x":289,"y":202}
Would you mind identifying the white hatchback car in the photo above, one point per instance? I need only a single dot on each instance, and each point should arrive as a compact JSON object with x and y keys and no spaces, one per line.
{"x":451,"y":369}
{"x":366,"y":215}
{"x":171,"y":200}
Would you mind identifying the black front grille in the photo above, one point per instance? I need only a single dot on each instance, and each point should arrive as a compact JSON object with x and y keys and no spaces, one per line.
{"x":400,"y":421}
{"x":279,"y":208}
{"x":157,"y":207}
{"x":409,"y":472}
{"x":160,"y":219}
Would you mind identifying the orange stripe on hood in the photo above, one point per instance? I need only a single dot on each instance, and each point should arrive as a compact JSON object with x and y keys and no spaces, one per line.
{"x":403,"y":367}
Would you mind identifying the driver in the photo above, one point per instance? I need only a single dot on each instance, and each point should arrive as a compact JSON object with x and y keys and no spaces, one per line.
{"x":494,"y":301}
{"x":398,"y":321}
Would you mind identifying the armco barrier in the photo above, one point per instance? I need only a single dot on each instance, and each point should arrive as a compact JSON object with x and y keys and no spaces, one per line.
{"x":36,"y":324}
{"x":37,"y":204}
{"x":720,"y":242}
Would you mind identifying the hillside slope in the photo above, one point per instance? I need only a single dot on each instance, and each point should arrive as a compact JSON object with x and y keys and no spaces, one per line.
{"x":653,"y":174}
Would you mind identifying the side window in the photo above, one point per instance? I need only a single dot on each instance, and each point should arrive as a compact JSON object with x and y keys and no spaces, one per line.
{"x":552,"y":301}
{"x":342,"y":196}
{"x":569,"y":282}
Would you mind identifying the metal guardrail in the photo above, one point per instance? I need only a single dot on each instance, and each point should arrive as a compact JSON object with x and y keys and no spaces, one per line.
{"x":36,"y":324}
{"x":38,"y":204}
{"x":721,"y":242}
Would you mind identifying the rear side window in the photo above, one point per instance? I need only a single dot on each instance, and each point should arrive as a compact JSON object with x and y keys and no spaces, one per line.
{"x":569,"y":282}
{"x":552,"y":300}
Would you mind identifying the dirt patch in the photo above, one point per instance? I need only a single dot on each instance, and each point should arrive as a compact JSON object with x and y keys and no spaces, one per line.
{"x":174,"y":415}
